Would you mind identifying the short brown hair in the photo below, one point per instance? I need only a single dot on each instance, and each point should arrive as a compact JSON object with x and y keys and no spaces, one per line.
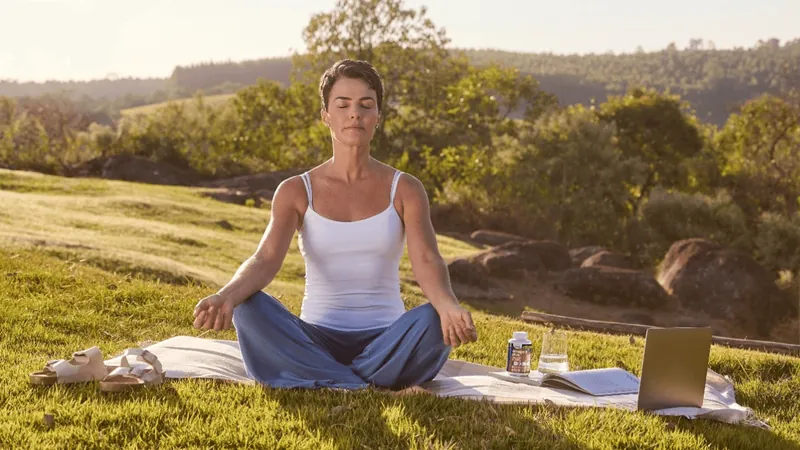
{"x":348,"y":68}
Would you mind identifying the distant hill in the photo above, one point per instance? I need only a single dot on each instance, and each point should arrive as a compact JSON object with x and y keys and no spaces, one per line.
{"x":212,"y":100}
{"x":106,"y":88}
{"x":713,"y":81}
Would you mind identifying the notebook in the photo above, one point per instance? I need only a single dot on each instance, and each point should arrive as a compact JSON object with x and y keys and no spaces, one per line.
{"x":597,"y":382}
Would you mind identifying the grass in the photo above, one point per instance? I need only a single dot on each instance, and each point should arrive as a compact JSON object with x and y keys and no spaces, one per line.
{"x":210,"y":100}
{"x":112,"y":264}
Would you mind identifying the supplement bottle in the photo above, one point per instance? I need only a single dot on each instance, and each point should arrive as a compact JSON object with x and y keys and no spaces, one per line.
{"x":518,"y":360}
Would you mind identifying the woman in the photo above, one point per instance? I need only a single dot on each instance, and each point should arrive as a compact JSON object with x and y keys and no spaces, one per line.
{"x":353,"y":330}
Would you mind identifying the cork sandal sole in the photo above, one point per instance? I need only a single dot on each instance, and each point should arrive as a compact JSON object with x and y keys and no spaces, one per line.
{"x":85,"y":366}
{"x":145,"y":371}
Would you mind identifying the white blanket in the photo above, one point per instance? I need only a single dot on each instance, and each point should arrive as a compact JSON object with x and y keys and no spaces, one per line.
{"x":192,"y":357}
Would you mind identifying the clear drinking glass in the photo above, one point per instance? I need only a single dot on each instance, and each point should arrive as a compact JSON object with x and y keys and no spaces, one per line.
{"x":553,"y":358}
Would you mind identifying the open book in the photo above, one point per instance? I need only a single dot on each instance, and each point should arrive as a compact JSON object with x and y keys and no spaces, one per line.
{"x":611,"y":381}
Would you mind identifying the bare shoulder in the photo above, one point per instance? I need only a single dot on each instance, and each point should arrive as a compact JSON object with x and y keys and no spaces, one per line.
{"x":411,"y":199}
{"x":411,"y":188}
{"x":290,"y":194}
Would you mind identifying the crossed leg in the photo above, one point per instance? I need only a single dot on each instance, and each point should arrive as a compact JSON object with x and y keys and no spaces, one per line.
{"x":281,"y":350}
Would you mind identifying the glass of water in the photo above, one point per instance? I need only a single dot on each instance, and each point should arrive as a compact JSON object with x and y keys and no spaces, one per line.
{"x":553,"y":358}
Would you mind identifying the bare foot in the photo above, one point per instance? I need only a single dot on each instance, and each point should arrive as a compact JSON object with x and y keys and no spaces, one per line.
{"x":411,"y":390}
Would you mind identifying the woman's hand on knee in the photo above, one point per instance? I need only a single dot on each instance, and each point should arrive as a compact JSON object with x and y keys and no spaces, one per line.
{"x":213,"y":312}
{"x":457,"y":326}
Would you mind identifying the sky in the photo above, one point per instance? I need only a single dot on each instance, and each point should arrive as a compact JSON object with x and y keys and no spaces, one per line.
{"x":89,"y":39}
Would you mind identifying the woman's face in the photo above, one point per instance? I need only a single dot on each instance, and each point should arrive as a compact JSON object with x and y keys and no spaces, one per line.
{"x":352,"y":113}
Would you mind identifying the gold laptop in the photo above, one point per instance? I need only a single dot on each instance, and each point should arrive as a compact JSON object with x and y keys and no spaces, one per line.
{"x":674,"y":367}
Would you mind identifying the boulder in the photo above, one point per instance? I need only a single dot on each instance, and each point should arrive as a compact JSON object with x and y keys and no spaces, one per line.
{"x":137,"y":169}
{"x":240,"y":197}
{"x":471,"y":281}
{"x":266,"y":182}
{"x":511,"y":260}
{"x":580,"y":254}
{"x":510,"y":264}
{"x":466,"y":272}
{"x":725,"y":283}
{"x":608,"y":259}
{"x":613,"y":286}
{"x":489,"y":237}
{"x":258,"y":188}
{"x":537,"y":255}
{"x":492,"y":294}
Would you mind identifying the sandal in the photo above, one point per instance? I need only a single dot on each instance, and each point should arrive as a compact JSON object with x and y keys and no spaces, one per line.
{"x":85,"y":366}
{"x":128,"y":377}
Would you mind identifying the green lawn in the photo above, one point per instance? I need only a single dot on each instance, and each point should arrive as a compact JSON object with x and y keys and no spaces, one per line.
{"x":112,"y":264}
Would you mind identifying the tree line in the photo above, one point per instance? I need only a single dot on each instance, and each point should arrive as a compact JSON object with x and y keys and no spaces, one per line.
{"x":715,"y":82}
{"x":634,"y":172}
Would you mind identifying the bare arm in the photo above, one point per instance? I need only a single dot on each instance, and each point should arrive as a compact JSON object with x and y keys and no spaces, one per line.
{"x":427,"y":263}
{"x":429,"y":266}
{"x":258,"y":271}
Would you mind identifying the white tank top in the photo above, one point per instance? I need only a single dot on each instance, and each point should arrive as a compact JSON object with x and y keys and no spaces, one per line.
{"x":352,"y":268}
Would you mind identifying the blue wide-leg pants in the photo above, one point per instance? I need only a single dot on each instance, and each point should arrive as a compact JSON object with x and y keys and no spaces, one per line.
{"x":281,"y":350}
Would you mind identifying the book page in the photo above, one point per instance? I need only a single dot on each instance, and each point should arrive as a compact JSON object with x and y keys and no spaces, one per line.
{"x":609,"y":381}
{"x":531,"y":379}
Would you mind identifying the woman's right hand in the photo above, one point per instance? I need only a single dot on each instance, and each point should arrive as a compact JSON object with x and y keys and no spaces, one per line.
{"x":213,"y":312}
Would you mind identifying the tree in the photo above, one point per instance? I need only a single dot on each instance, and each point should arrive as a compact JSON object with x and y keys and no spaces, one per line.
{"x":569,"y":176}
{"x":654,"y":129}
{"x":762,"y":148}
{"x":403,"y":45}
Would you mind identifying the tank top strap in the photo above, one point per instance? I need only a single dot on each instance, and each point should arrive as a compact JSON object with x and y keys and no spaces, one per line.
{"x":307,"y":181}
{"x":394,"y":184}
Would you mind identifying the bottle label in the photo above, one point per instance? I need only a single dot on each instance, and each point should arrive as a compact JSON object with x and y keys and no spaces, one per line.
{"x":519,"y":358}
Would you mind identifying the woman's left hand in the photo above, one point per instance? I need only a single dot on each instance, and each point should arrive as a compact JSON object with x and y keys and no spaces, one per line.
{"x":457,"y":326}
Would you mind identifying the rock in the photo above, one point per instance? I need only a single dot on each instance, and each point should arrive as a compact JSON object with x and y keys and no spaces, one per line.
{"x":510,"y":264}
{"x":489,"y":237}
{"x":224,"y":224}
{"x":511,"y":260}
{"x":493,"y":293}
{"x":237,"y":197}
{"x":137,"y":169}
{"x":259,"y":188}
{"x":464,"y":237}
{"x":580,"y":254}
{"x":470,"y":280}
{"x":725,"y":283}
{"x":266,"y":181}
{"x":608,"y":259}
{"x":613,"y":286}
{"x":467,"y":272}
{"x":552,"y":256}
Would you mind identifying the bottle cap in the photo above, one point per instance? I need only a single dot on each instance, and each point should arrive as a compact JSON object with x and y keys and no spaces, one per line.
{"x":520,"y":335}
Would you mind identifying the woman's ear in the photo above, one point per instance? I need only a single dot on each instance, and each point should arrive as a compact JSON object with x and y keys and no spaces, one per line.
{"x":324,"y":115}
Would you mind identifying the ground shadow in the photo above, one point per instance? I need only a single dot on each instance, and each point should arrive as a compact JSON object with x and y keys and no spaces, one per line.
{"x":376,"y":419}
{"x":731,"y":436}
{"x":379,"y":419}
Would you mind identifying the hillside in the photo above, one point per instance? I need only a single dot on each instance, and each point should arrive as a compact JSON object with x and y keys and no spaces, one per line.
{"x":714,"y":81}
{"x":112,"y":264}
{"x":211,"y":100}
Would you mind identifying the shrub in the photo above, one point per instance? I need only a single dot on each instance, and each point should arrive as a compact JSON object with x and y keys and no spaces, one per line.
{"x":672,"y":216}
{"x":777,"y":242}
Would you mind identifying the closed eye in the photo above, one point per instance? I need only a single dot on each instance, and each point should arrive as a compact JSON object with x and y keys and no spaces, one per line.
{"x":363,"y":106}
